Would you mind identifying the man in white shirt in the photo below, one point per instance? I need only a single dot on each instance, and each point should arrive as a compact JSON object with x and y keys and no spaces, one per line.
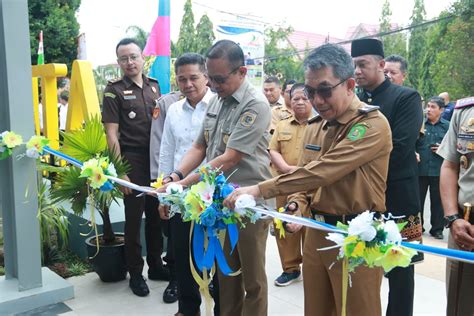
{"x":62,"y":109}
{"x":182,"y":125}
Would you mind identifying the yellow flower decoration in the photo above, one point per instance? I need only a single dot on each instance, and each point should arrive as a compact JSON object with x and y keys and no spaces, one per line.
{"x":11,"y":140}
{"x":92,"y":170}
{"x":358,"y":249}
{"x":371,"y":255}
{"x":396,"y":256}
{"x":158,"y":183}
{"x":279,"y":224}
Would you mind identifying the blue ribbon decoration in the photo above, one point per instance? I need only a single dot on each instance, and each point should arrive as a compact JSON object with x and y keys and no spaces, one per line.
{"x":107,"y":186}
{"x":205,"y":258}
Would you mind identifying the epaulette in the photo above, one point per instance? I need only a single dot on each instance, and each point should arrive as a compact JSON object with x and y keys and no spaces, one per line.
{"x":464,"y":103}
{"x":315,"y":119}
{"x":115,"y":80}
{"x":368,"y":108}
{"x":152,"y":79}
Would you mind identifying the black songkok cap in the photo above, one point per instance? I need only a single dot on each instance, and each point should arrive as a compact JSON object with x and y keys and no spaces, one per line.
{"x":367,"y":46}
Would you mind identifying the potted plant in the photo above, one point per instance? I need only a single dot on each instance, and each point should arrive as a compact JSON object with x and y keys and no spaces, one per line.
{"x":106,"y":251}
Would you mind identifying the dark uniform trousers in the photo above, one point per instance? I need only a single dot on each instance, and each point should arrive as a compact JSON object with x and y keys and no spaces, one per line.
{"x":323,"y":282}
{"x":437,"y":213}
{"x":249,"y":254}
{"x":402,"y":195}
{"x":134,"y":208}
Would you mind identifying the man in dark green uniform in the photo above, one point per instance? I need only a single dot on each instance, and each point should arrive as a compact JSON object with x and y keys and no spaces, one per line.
{"x":402,"y":108}
{"x":127,"y":114}
{"x":435,"y":128}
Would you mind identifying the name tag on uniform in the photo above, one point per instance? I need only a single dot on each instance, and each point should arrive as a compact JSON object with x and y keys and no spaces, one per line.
{"x":312,"y":147}
{"x":129,"y":97}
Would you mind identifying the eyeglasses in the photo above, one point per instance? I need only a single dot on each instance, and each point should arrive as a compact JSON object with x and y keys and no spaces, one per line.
{"x":222,"y":80}
{"x":125,"y":59}
{"x":324,"y":92}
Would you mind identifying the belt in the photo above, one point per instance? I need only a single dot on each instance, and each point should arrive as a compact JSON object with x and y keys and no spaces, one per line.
{"x":135,"y":150}
{"x":331,"y":219}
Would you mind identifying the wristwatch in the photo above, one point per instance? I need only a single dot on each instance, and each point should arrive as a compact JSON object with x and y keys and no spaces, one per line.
{"x":449,"y":220}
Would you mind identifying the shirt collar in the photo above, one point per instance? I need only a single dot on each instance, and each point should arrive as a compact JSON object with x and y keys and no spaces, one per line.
{"x":129,"y":82}
{"x":238,"y":95}
{"x":205,"y":100}
{"x":384,"y":85}
{"x":351,"y":112}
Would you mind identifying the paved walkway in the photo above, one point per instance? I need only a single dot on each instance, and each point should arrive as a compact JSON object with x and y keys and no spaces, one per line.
{"x":93,"y":297}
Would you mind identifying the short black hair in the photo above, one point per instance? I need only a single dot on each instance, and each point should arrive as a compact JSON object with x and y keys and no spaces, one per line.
{"x":437,"y":100}
{"x":64,"y":95}
{"x":288,"y":82}
{"x":127,"y":41}
{"x":229,"y":50}
{"x":272,"y":79}
{"x":398,"y":59}
{"x":295,"y":87}
{"x":190,"y":59}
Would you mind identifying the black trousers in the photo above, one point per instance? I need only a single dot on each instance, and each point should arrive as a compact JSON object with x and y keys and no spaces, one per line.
{"x":189,"y":298}
{"x":437,"y":213}
{"x":134,"y":209}
{"x":402,"y":291}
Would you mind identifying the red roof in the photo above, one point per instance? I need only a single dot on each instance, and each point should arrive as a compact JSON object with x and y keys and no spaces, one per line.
{"x":364,"y":29}
{"x":304,"y":40}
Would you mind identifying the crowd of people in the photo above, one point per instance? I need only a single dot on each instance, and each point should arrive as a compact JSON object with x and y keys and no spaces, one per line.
{"x":350,"y":138}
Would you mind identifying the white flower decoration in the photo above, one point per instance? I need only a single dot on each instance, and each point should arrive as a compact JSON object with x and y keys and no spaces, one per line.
{"x":174,"y":188}
{"x":244,"y":201}
{"x":393,"y":234}
{"x":362,"y":226}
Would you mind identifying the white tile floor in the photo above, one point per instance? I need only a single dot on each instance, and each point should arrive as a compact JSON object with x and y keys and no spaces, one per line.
{"x":93,"y":297}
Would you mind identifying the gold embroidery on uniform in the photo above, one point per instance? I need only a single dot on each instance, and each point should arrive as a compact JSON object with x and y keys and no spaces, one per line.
{"x":464,"y":162}
{"x":206,"y":136}
{"x":225,"y":139}
{"x":127,"y":92}
{"x":110,"y":95}
{"x":248,"y":118}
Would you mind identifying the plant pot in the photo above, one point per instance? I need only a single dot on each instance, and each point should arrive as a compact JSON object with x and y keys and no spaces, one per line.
{"x":109,"y":262}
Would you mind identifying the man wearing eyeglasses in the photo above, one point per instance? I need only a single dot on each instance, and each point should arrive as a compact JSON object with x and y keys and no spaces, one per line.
{"x":341,"y":173}
{"x":127,"y":115}
{"x":234,"y":137}
{"x":402,"y":108}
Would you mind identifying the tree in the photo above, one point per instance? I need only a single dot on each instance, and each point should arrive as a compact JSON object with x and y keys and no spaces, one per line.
{"x":281,"y":62}
{"x":204,"y":35}
{"x":57,"y":20}
{"x":393,"y":43}
{"x":453,"y":66}
{"x":138,"y":34}
{"x":417,"y":43}
{"x":187,"y":32}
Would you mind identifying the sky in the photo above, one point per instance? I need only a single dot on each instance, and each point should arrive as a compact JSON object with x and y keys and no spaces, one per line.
{"x":104,"y":22}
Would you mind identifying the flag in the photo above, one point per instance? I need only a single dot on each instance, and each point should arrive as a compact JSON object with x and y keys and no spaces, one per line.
{"x":158,"y":44}
{"x":40,"y":50}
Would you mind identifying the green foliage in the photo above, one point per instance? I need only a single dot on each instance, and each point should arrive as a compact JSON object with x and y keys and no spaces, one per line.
{"x":139,"y":34}
{"x":281,"y":62}
{"x":57,"y":19}
{"x":204,"y":35}
{"x":102,"y":75}
{"x":448,"y":56}
{"x":2,"y":271}
{"x":417,"y":44}
{"x":187,"y":33}
{"x":84,"y":144}
{"x":393,"y":43}
{"x":54,"y":224}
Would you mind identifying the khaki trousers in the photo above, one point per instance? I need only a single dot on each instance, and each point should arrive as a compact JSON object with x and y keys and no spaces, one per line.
{"x":247,"y":293}
{"x":466,"y":290}
{"x":290,"y":247}
{"x":323,"y":283}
